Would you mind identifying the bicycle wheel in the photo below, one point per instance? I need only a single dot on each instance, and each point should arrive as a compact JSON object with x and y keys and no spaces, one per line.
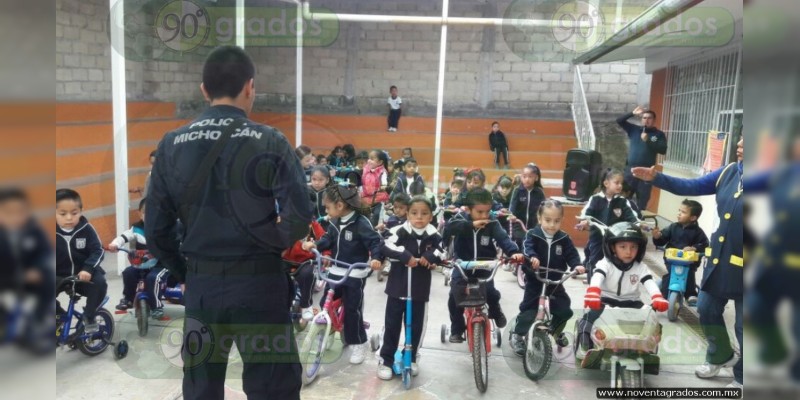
{"x":480,"y":359}
{"x":538,"y":354}
{"x":312,"y":352}
{"x":675,"y":303}
{"x":98,"y":342}
{"x":142,"y":317}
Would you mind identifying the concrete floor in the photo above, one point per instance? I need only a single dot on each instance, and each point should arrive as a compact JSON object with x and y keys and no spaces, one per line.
{"x":152,"y":369}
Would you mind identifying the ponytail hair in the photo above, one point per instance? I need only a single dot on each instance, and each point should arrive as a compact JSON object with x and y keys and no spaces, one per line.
{"x":346,"y":193}
{"x":609,"y":174}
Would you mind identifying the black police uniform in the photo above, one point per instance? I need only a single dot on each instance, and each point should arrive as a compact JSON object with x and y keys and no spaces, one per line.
{"x":253,"y":206}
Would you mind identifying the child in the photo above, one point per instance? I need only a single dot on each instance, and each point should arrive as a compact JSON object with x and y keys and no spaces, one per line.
{"x":526,"y":199}
{"x":361,"y":160}
{"x":374,"y":180}
{"x":337,"y":158}
{"x":349,"y":154}
{"x":322,"y":160}
{"x":498,"y":144}
{"x":25,"y":258}
{"x":400,"y":204}
{"x":410,"y":182}
{"x":394,"y":105}
{"x":627,"y":192}
{"x":351,"y":238}
{"x":616,"y":279}
{"x":684,"y":234}
{"x":319,"y":180}
{"x":79,"y":252}
{"x":608,"y":207}
{"x":546,"y":245}
{"x":130,"y":276}
{"x":418,"y":245}
{"x":475,"y":239}
{"x":501,"y":192}
{"x":307,"y":160}
{"x":407,"y":153}
{"x":454,"y":194}
{"x":475,"y":179}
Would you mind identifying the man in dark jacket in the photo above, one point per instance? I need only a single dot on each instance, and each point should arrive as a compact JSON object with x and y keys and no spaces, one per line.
{"x":646,"y":143}
{"x":252,"y":205}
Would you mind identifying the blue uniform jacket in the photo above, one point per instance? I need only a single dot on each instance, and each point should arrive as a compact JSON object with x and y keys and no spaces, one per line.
{"x":560,"y":254}
{"x":723,"y":275}
{"x":477,"y":244}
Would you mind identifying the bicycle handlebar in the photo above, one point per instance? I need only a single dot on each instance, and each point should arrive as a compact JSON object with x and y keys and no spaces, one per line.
{"x":324,"y":275}
{"x":487,"y":265}
{"x":150,"y":262}
{"x":546,"y":281}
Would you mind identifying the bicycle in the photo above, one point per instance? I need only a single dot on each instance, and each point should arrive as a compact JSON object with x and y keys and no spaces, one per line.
{"x":479,"y":332}
{"x":538,"y":348}
{"x":143,"y":262}
{"x":327,"y":322}
{"x":90,"y":344}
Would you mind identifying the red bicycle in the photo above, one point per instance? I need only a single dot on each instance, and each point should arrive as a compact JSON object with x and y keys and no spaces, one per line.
{"x":326,"y":323}
{"x":480,"y":328}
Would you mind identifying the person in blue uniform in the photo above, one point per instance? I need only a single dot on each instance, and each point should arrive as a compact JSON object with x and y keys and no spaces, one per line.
{"x":723,"y":276}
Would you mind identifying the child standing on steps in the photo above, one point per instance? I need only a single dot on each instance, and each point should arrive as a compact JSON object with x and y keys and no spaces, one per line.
{"x":499,"y":145}
{"x":395,"y":106}
{"x":417,"y":245}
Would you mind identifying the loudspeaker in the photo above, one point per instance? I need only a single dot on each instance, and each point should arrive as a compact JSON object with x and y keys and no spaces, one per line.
{"x":582,"y":174}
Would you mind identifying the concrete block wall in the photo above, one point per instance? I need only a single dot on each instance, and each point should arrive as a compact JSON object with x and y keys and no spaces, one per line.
{"x":489,"y":72}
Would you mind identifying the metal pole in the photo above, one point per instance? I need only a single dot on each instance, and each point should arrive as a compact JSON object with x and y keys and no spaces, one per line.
{"x":240,"y":23}
{"x":298,"y":121}
{"x":440,"y":98}
{"x":120,"y":118}
{"x":444,"y":20}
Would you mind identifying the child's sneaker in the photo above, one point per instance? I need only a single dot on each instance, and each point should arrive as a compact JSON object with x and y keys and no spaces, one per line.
{"x":124,"y":304}
{"x":307,"y":314}
{"x":691,"y":301}
{"x":496,"y":313}
{"x":414,"y":369}
{"x":90,"y":326}
{"x":358,"y":354}
{"x":157,"y":313}
{"x":708,"y":370}
{"x":518,"y":345}
{"x":562,"y":340}
{"x":385,"y":373}
{"x":457,"y":338}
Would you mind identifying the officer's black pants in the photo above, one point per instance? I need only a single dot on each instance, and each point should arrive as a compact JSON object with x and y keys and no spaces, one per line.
{"x":247,"y":303}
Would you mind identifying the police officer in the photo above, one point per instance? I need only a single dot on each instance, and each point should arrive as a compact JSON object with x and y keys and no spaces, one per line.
{"x":723,"y":276}
{"x":251,"y":204}
{"x":645,"y":144}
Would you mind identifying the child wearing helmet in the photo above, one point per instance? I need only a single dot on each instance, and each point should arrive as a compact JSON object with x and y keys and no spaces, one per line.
{"x":618,"y":278}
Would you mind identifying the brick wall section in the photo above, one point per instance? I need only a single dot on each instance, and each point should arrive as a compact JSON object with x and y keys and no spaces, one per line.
{"x":531,"y":81}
